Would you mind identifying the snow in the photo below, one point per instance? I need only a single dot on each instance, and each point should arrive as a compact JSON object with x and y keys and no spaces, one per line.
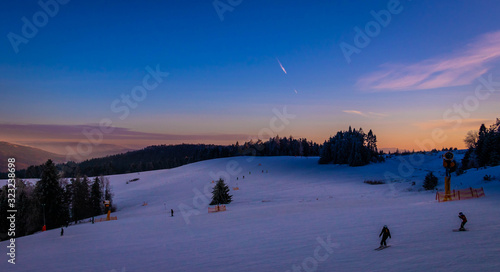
{"x":299,"y":215}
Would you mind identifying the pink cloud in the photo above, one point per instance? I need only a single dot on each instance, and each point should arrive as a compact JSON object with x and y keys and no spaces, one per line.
{"x":460,"y":68}
{"x":369,"y":114}
{"x":354,"y":112}
{"x":467,"y":124}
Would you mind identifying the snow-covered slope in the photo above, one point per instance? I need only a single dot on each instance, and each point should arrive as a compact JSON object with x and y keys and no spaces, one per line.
{"x":290,"y":213}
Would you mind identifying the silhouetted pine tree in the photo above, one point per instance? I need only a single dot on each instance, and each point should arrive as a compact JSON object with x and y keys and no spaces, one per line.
{"x":96,"y":197}
{"x":50,"y":193}
{"x":220,"y":193}
{"x":466,"y":160}
{"x":430,"y":181}
{"x":81,"y":199}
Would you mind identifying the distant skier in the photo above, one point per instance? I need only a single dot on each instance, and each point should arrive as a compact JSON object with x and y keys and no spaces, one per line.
{"x":464,"y":220}
{"x":171,"y":212}
{"x":385,"y":233}
{"x":62,"y":231}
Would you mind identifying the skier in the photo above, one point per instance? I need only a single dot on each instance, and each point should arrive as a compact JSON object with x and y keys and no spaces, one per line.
{"x":62,"y":231}
{"x":384,"y":233}
{"x":464,"y":220}
{"x":171,"y":212}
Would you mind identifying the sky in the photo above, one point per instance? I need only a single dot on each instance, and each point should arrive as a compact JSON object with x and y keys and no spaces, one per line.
{"x":420,"y":74}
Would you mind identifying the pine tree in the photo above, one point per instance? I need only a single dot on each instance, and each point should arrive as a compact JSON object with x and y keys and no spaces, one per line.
{"x":81,"y":199}
{"x":371,"y":140}
{"x":50,"y":195}
{"x":430,"y":181}
{"x":220,"y":193}
{"x":96,"y":197}
{"x":480,"y":146}
{"x":466,"y":160}
{"x":325,"y":154}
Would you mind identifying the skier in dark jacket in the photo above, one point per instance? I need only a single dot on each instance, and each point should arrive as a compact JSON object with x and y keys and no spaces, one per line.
{"x":464,"y":220}
{"x":384,"y":233}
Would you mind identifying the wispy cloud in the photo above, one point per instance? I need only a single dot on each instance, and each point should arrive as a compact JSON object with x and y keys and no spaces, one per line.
{"x":282,"y":68}
{"x":354,"y":112}
{"x":377,"y":114}
{"x":457,"y":69}
{"x":368,"y":114}
{"x":466,"y":124}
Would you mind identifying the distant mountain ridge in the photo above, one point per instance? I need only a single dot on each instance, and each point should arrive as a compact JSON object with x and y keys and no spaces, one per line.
{"x":36,"y":154}
{"x":25,"y":156}
{"x":98,"y":151}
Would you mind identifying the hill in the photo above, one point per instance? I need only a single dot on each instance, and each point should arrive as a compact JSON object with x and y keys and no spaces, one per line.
{"x":169,"y":156}
{"x":25,"y":156}
{"x":98,"y":151}
{"x":288,"y":212}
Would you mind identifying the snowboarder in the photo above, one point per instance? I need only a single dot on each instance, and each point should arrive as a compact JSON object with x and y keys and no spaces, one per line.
{"x":464,"y":220}
{"x":62,"y":231}
{"x":384,"y":233}
{"x":171,"y":212}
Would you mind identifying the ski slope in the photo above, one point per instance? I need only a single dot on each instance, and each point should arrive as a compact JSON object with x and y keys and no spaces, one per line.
{"x":290,"y":214}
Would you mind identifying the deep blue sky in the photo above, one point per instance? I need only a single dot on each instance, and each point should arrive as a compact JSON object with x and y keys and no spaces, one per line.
{"x":224,"y":76}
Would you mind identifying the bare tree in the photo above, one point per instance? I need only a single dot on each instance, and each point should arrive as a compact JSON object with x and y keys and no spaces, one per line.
{"x":471,"y":139}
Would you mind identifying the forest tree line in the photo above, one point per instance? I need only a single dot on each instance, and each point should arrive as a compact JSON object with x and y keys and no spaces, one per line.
{"x":484,"y":147}
{"x":347,"y":147}
{"x":352,"y":147}
{"x":54,"y":201}
{"x":170,"y":156}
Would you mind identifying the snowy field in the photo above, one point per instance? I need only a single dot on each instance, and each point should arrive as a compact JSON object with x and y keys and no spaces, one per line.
{"x":290,"y":214}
